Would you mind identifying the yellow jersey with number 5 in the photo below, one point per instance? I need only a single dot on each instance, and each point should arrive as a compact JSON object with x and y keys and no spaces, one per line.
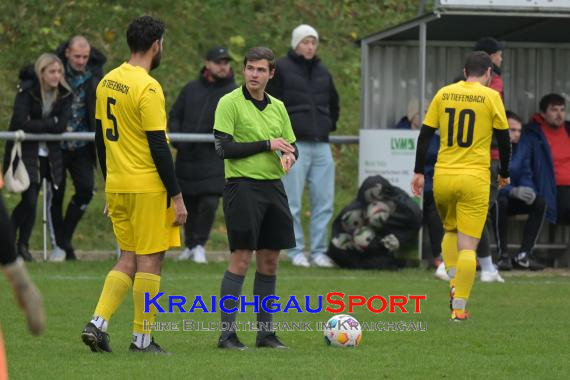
{"x":466,"y":114}
{"x":129,"y":103}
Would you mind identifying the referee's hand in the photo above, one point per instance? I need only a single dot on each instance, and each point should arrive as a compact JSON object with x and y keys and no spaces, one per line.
{"x":282,"y":145}
{"x":180,"y":212}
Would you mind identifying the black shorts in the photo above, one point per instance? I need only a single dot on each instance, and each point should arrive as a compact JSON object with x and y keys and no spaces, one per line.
{"x":257,"y":215}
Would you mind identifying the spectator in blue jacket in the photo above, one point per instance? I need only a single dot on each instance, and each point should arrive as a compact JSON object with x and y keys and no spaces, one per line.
{"x":519,"y":198}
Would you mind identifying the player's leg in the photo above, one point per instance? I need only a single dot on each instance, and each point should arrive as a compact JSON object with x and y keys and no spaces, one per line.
{"x":202,"y":225}
{"x":118,"y":281}
{"x":472,"y":207}
{"x":152,"y":217}
{"x":243,"y":213}
{"x":445,"y":202}
{"x":276,"y":233}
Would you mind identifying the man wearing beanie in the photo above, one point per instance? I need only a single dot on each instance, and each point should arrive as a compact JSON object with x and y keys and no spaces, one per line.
{"x":306,"y":87}
{"x":495,"y":50}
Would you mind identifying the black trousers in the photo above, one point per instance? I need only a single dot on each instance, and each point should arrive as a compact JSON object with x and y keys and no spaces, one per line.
{"x":80,"y":165}
{"x":432,"y":221}
{"x":24,"y":215}
{"x":7,"y":243}
{"x":506,"y":207}
{"x":201,"y":216}
{"x":563,"y":205}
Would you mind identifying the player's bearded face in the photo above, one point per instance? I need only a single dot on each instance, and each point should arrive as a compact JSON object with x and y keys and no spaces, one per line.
{"x":156,"y":58}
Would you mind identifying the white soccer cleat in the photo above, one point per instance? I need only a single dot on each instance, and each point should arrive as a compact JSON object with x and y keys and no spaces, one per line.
{"x":441,"y":272}
{"x":185,"y":255}
{"x":487,"y":276}
{"x":199,"y":255}
{"x":299,"y":260}
{"x":323,"y":261}
{"x":57,"y":255}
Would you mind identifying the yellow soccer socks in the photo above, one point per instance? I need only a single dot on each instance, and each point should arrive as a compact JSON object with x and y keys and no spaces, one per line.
{"x":144,"y":283}
{"x":450,"y":255}
{"x":115,"y":289}
{"x":464,"y":279}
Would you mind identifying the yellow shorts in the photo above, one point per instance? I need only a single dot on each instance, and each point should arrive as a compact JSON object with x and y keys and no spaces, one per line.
{"x":142,"y":222}
{"x":462,"y":202}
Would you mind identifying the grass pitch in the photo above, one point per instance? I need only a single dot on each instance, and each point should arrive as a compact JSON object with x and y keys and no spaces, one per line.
{"x":518,"y":329}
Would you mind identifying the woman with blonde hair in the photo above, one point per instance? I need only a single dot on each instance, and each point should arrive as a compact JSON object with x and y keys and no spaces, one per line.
{"x":42,"y":105}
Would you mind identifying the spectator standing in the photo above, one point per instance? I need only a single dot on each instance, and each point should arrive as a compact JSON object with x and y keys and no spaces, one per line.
{"x":199,"y":171}
{"x":306,"y":87}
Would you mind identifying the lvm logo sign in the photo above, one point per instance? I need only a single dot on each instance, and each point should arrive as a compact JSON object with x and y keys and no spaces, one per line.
{"x":403,"y":144}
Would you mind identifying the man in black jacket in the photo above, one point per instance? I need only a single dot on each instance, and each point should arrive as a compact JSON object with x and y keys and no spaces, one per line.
{"x":83,"y":71}
{"x":306,"y":87}
{"x":199,"y":171}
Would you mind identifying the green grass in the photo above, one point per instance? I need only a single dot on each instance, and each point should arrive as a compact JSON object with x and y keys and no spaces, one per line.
{"x":30,"y":27}
{"x":519,"y":329}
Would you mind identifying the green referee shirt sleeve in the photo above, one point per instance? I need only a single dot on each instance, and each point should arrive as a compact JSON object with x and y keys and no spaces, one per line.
{"x":225,"y":117}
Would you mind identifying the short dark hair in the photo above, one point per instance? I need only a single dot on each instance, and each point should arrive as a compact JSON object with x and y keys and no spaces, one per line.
{"x":514,"y":116}
{"x":551,"y":100}
{"x":259,"y":53}
{"x":477,"y":63}
{"x":143,"y":31}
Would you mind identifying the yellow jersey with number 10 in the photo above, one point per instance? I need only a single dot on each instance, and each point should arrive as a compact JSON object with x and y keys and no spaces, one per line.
{"x":466,"y":114}
{"x":129,"y":103}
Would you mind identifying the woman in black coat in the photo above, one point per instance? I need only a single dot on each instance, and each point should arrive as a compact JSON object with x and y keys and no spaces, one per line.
{"x":43,"y":105}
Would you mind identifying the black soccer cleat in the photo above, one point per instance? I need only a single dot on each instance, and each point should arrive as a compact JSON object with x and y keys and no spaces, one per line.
{"x":269,"y":341}
{"x":97,"y":340}
{"x":505,"y":264}
{"x":231,"y":342}
{"x":152,"y":348}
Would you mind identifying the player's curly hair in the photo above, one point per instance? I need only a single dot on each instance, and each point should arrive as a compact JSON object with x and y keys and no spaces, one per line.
{"x":143,"y":31}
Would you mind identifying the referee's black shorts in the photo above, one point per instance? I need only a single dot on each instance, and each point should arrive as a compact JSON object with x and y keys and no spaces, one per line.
{"x":257,"y":215}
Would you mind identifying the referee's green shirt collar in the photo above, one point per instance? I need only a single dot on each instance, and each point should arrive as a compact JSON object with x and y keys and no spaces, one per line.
{"x":248,"y":96}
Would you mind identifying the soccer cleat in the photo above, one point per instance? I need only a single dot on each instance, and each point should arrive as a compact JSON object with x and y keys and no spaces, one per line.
{"x":97,"y":340}
{"x":199,"y":255}
{"x":24,"y":252}
{"x":495,"y":276}
{"x":525,"y":261}
{"x":231,"y":342}
{"x":185,"y":255}
{"x":505,"y":263}
{"x":441,"y":272}
{"x":270,"y":341}
{"x":459,"y":315}
{"x":299,"y":260}
{"x":57,"y":255}
{"x":152,"y":348}
{"x":321,"y":260}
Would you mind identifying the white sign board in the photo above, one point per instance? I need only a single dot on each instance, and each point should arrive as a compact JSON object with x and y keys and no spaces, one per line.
{"x":511,"y":5}
{"x":390,"y":153}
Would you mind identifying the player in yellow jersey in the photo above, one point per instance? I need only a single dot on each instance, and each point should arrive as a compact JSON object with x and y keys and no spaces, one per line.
{"x":143,"y":197}
{"x":467,"y":114}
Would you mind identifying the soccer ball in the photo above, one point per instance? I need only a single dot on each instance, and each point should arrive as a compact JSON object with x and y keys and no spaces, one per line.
{"x":343,"y":241}
{"x":352,"y":219}
{"x":378,"y":213}
{"x":374,"y":193}
{"x":363,"y":237}
{"x":343,"y":331}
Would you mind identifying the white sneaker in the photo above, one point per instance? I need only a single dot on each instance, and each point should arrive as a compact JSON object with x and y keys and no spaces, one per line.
{"x":199,"y":254}
{"x":57,"y":255}
{"x":487,"y":276}
{"x":299,"y":260}
{"x":441,"y":272}
{"x":322,"y":260}
{"x":185,"y":255}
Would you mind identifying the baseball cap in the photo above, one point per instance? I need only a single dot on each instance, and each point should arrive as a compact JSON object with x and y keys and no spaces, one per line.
{"x":489,"y":45}
{"x":217,"y":53}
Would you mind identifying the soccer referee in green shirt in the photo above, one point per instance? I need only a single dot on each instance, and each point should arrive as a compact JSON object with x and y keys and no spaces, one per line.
{"x":254,"y":136}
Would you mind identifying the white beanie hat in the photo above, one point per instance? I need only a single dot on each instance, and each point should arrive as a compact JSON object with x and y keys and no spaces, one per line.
{"x":301,"y":32}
